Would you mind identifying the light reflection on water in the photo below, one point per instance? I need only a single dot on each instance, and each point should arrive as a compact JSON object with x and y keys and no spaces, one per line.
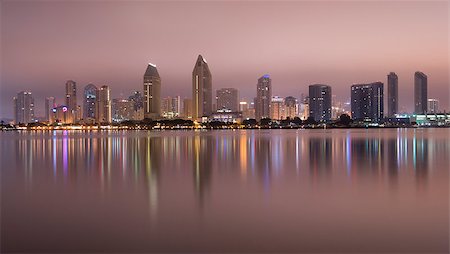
{"x":213,"y":182}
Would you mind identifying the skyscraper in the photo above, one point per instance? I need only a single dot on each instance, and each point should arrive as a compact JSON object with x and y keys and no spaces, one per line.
{"x":277,"y":108}
{"x":201,"y":89}
{"x":367,"y":101}
{"x":103,"y":105}
{"x":71,"y":97}
{"x":89,"y":101}
{"x":50,"y":104}
{"x":263,"y":97}
{"x":420,"y":93}
{"x":320,"y":102}
{"x":392,"y":101}
{"x":227,"y":99}
{"x":152,"y":92}
{"x":291,"y":107}
{"x":24,"y":107}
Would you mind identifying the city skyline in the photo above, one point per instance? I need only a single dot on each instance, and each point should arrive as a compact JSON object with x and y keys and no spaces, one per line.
{"x":295,"y":56}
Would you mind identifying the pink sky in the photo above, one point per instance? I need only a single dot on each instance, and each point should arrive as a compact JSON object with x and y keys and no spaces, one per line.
{"x":45,"y":43}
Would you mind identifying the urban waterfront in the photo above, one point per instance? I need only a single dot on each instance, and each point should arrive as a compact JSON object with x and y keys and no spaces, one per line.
{"x":303,"y":190}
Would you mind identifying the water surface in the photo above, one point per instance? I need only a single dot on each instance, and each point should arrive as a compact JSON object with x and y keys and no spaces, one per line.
{"x":378,"y":190}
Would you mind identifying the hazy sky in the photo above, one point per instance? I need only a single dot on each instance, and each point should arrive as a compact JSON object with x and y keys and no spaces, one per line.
{"x":45,"y":43}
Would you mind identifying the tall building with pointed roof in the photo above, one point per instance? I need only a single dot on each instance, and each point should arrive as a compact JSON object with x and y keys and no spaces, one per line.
{"x":420,"y":92}
{"x":201,"y":89}
{"x":152,"y":92}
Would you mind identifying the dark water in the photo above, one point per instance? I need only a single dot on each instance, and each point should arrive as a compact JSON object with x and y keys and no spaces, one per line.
{"x":381,"y":190}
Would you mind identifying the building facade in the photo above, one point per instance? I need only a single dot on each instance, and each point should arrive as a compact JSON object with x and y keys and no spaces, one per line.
{"x":320,"y":102}
{"x":71,"y":99}
{"x":104,"y":105}
{"x":291,"y":107}
{"x":227,"y":99}
{"x":433,"y":106}
{"x":90,"y":101}
{"x":201,"y":89}
{"x":367,"y":102}
{"x":24,"y":107}
{"x":420,"y":92}
{"x":50,"y":104}
{"x":152,"y":92}
{"x":277,"y":108}
{"x":392,"y":89}
{"x":263,"y":97}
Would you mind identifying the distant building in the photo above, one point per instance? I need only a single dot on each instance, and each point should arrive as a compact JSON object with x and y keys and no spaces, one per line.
{"x":152,"y":92}
{"x":137,"y":99}
{"x":122,"y":110}
{"x":50,"y":104}
{"x":433,"y":106}
{"x":367,"y":102}
{"x":277,"y":109}
{"x":224,"y":115}
{"x":187,"y":108}
{"x":90,"y":101}
{"x":263,"y":97}
{"x":291,"y":107}
{"x":24,"y":107}
{"x":420,"y":93}
{"x":62,"y":114}
{"x":320,"y":102}
{"x":392,"y":101}
{"x":71,"y":98}
{"x":227,"y":98}
{"x":171,"y":107}
{"x":201,"y":89}
{"x":104,"y":105}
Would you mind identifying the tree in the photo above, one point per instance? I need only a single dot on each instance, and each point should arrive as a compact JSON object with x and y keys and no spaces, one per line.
{"x":345,"y":119}
{"x":265,"y":122}
{"x":310,"y":121}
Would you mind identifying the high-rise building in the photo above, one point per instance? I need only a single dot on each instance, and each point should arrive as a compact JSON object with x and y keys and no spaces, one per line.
{"x":187,"y":108}
{"x":103,"y":105}
{"x":171,"y":107}
{"x":291,"y":107}
{"x":277,"y":109}
{"x":227,"y":99}
{"x":152,"y":92}
{"x":367,"y":101}
{"x":122,"y":110}
{"x":263,"y":97}
{"x":320,"y":102}
{"x":50,"y":104}
{"x":137,"y":99}
{"x":71,"y":98}
{"x":24,"y":107}
{"x":201,"y":89}
{"x":392,"y":101}
{"x":89,"y":101}
{"x":433,"y":106}
{"x":420,"y":93}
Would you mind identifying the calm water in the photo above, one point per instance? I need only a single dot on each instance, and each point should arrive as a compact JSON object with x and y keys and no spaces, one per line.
{"x":381,"y":190}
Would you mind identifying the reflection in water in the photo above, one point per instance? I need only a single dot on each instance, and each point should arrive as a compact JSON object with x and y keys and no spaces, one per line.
{"x":73,"y":156}
{"x":184,"y":173}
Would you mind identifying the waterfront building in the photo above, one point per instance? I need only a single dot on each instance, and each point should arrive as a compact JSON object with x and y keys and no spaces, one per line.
{"x":392,"y":101}
{"x":420,"y":92}
{"x":320,"y":102}
{"x":24,"y":107}
{"x":104,"y":105}
{"x":201,"y":89}
{"x":227,"y":99}
{"x":263,"y":97}
{"x":367,"y":102}
{"x":152,"y":92}
{"x":90,"y":101}
{"x":50,"y":104}
{"x":433,"y":106}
